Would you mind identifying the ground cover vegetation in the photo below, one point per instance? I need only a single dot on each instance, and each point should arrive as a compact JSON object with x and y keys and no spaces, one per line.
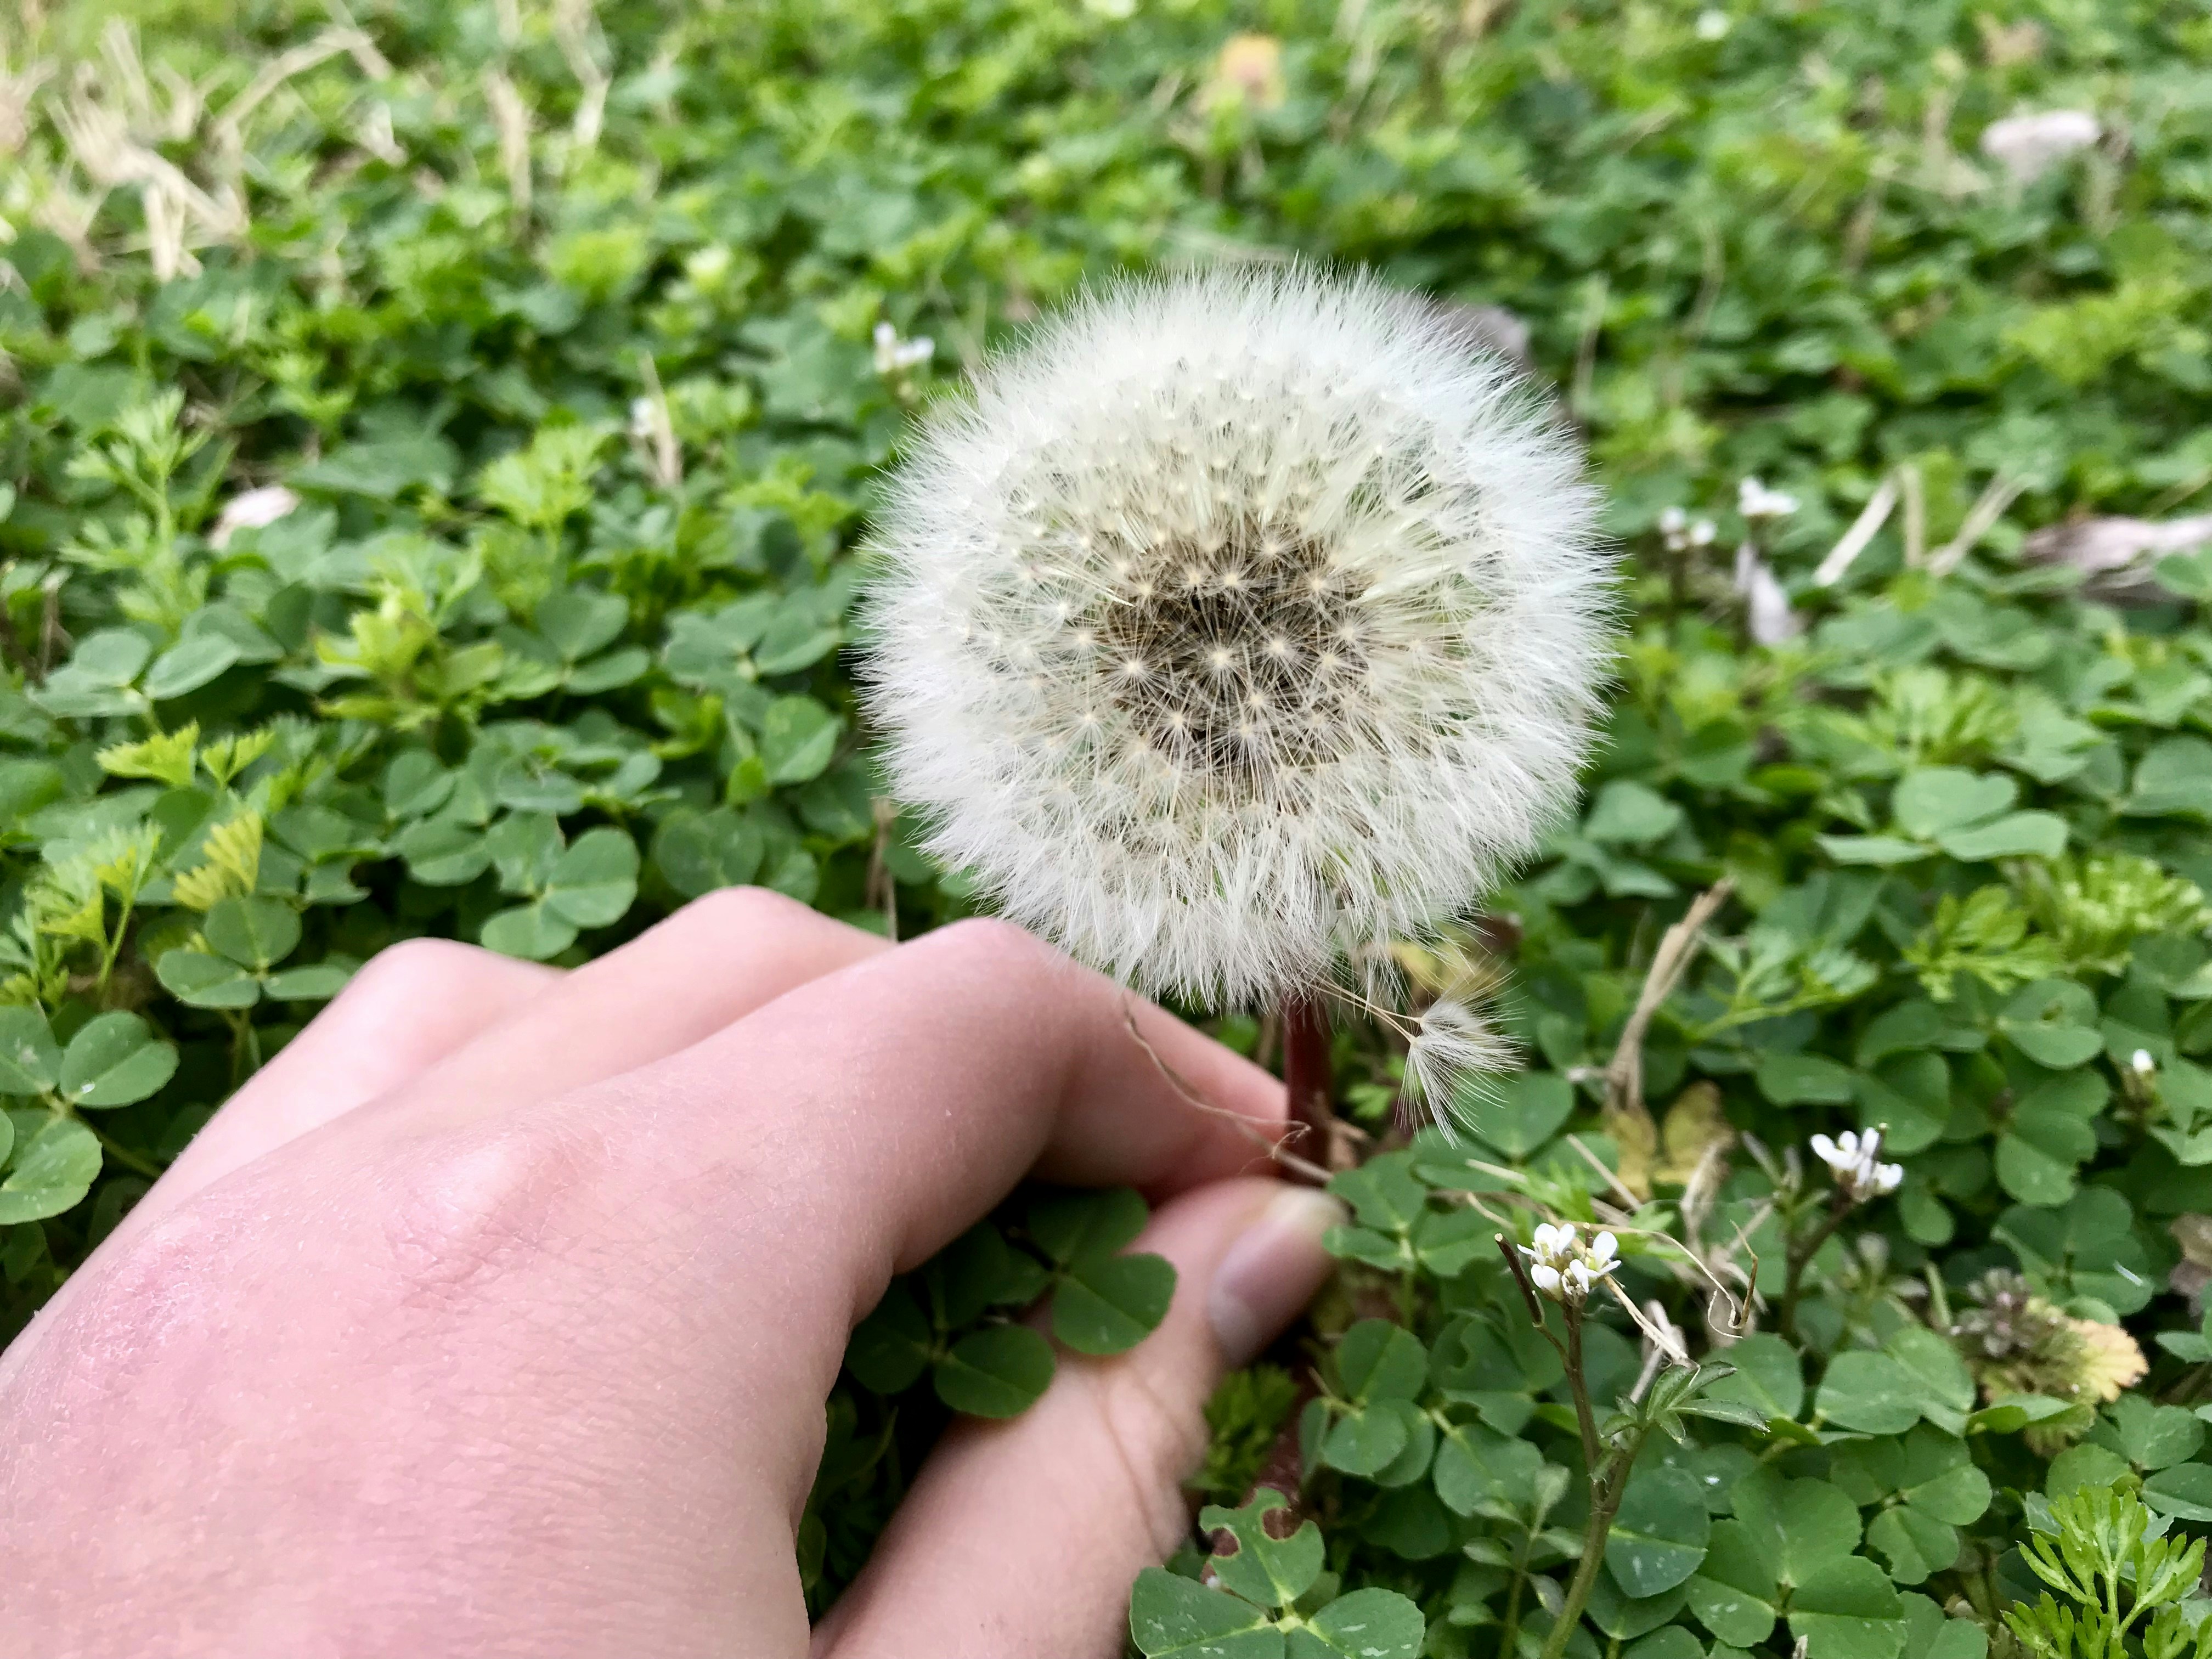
{"x":434,"y":447}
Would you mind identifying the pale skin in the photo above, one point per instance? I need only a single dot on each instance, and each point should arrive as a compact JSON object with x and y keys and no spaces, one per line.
{"x":496,"y":1315}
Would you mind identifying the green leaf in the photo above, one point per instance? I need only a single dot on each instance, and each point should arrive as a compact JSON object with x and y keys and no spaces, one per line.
{"x":1916,"y":1546}
{"x":1934,"y":800}
{"x":190,"y":664}
{"x":1871,"y":850}
{"x":1108,"y":1304}
{"x":1847,"y":1608}
{"x":203,"y":980}
{"x":1940,"y":1478}
{"x":798,"y":738}
{"x":1768,"y":1375}
{"x":1908,"y":1096}
{"x":51,"y":1170}
{"x":1076,"y":1222}
{"x":317,"y":981}
{"x":978,"y":1271}
{"x":997,"y":1371}
{"x":1946,"y":1387}
{"x":1475,"y":1467}
{"x":1367,"y":1438}
{"x":1268,"y":1571}
{"x":524,"y":848}
{"x":1173,"y":1618}
{"x":1733,"y":1593}
{"x":2173,"y":780}
{"x":2150,"y":1436}
{"x":1379,"y":1360}
{"x":2184,"y":1492}
{"x":30,"y":1058}
{"x":891,"y":1348}
{"x":1868,"y":1392}
{"x":2054,"y":1023}
{"x":1659,"y":1536}
{"x":699,"y":852}
{"x":113,"y":1059}
{"x":1792,"y":1080}
{"x":595,"y":880}
{"x":578,"y":621}
{"x":2016,"y":835}
{"x":1368,"y":1624}
{"x":532,"y":932}
{"x":1383,"y":1193}
{"x":1518,"y":1114}
{"x":1630,"y":813}
{"x":254,"y":932}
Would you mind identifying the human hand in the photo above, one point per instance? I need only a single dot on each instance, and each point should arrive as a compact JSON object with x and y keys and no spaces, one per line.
{"x":496,"y":1314}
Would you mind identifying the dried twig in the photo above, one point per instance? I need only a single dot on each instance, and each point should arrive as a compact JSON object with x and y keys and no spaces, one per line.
{"x":1855,"y":540}
{"x":2001,"y":493}
{"x":1624,"y":1074}
{"x":1276,"y":1148}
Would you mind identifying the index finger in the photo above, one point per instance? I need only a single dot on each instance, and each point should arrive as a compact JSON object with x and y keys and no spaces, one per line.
{"x":856,"y":1125}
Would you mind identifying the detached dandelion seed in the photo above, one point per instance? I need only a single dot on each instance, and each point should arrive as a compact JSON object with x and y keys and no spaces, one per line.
{"x":1242,"y":624}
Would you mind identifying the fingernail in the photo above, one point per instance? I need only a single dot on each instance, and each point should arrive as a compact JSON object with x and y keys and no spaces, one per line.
{"x":1271,"y":1270}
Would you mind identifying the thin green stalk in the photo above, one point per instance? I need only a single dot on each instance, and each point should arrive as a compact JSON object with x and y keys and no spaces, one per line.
{"x":1802,"y":1253}
{"x":1514,"y":1596}
{"x":129,"y":1159}
{"x":114,"y":947}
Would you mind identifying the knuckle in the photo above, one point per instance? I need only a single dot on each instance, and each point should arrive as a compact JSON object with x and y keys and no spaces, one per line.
{"x":419,"y":968}
{"x":494,"y":1202}
{"x":992,"y":940}
{"x":743,"y":913}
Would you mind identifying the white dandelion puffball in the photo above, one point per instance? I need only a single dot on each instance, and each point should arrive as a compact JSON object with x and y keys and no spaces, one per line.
{"x":1242,"y":624}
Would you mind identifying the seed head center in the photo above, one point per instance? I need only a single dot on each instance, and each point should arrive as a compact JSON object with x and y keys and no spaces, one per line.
{"x":1249,"y":650}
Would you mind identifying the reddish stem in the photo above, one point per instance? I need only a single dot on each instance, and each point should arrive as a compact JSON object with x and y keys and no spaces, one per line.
{"x":1308,"y":1076}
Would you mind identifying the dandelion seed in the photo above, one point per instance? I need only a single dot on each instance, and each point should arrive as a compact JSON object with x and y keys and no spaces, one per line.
{"x":1356,"y":562}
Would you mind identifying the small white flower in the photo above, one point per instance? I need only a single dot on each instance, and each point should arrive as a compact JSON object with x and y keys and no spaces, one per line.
{"x":255,"y":509}
{"x":1702,"y":533}
{"x":1853,"y":1160}
{"x":1712,"y":25}
{"x":1756,"y":502}
{"x":2142,"y":1063}
{"x":1561,"y":1267}
{"x":1243,"y":623}
{"x":894,"y":356}
{"x":644,"y":418}
{"x":2029,"y":146}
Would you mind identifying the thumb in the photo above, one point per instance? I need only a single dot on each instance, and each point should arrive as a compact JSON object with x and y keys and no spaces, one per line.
{"x":1022,"y":1538}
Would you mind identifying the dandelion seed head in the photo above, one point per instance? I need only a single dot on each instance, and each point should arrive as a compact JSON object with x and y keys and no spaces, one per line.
{"x":1309,"y":640}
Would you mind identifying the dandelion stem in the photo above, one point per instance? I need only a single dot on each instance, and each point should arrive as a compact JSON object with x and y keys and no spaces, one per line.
{"x":1309,"y":1077}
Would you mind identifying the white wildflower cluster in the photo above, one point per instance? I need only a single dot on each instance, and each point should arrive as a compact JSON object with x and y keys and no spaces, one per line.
{"x":1243,"y":623}
{"x":2029,"y":146}
{"x":1759,"y":504}
{"x":2142,"y":1063}
{"x":894,"y":356}
{"x":1852,"y":1158}
{"x":1563,"y":1267}
{"x":1681,"y":533}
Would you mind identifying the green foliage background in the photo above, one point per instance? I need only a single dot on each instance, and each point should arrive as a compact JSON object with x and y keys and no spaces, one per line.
{"x":558,"y":321}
